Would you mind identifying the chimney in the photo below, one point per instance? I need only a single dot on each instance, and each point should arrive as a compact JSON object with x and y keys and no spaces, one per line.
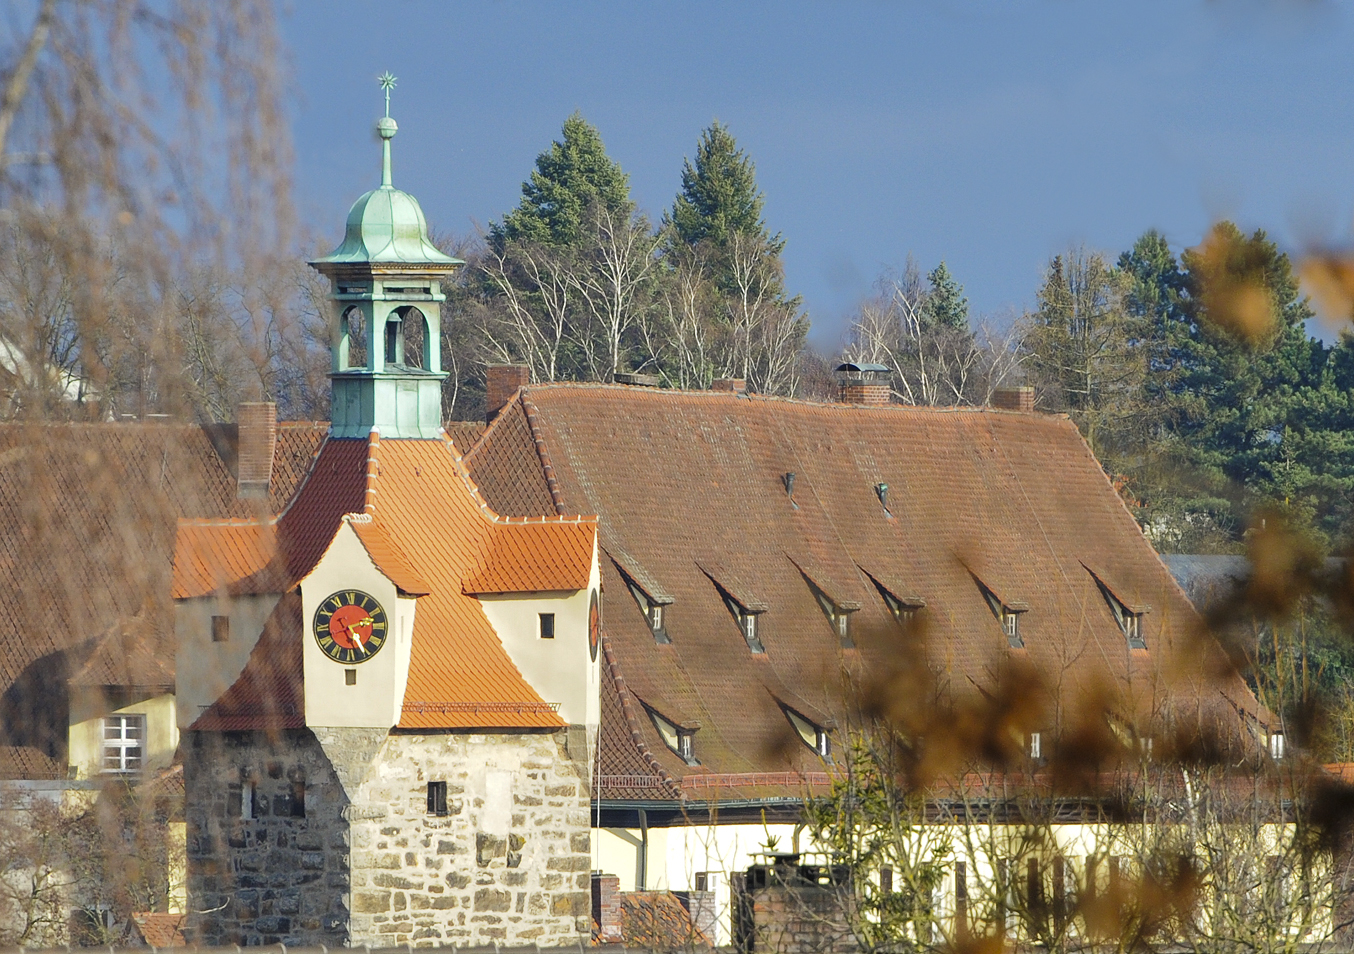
{"x":736,"y":385}
{"x":606,"y":907}
{"x":863,"y":384}
{"x":258,"y":438}
{"x":1014,"y":399}
{"x":501,"y":382}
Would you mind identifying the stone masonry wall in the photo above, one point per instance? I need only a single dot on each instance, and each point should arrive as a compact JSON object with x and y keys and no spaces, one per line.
{"x":281,"y":876}
{"x":509,"y":862}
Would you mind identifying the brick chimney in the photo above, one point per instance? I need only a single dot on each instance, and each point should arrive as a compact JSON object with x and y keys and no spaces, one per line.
{"x":501,"y":382}
{"x":606,"y":907}
{"x":863,"y":384}
{"x":736,"y":385}
{"x":258,"y":440}
{"x":1014,"y":399}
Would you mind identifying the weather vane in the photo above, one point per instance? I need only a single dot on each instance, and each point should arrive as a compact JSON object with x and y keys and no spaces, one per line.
{"x":387,"y":82}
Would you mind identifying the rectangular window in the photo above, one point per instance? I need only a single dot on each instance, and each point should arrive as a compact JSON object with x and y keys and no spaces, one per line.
{"x":297,"y":777}
{"x":248,"y":799}
{"x":1010,"y":624}
{"x":823,"y":744}
{"x":886,"y":880}
{"x":656,"y":617}
{"x":547,"y":626}
{"x":220,"y":629}
{"x":350,"y":677}
{"x":703,"y":881}
{"x":684,"y":745}
{"x":1276,"y":745}
{"x":437,"y":798}
{"x":124,"y":739}
{"x":1036,"y":746}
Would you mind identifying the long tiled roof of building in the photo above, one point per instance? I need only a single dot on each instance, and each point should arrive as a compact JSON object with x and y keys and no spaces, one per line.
{"x":89,"y":513}
{"x":940,"y":507}
{"x":424,"y":524}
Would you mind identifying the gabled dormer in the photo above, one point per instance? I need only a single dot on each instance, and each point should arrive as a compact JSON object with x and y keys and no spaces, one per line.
{"x":358,"y":606}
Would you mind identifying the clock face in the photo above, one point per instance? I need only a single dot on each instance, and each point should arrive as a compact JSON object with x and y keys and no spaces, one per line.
{"x":594,"y":626}
{"x":350,"y":626}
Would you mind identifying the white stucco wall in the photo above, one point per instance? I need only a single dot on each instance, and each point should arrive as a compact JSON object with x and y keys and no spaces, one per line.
{"x":204,"y":669}
{"x":375,"y":701}
{"x":162,"y":737}
{"x":560,"y":669}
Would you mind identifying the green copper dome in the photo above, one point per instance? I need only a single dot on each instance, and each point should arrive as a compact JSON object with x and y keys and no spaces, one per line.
{"x":387,"y":225}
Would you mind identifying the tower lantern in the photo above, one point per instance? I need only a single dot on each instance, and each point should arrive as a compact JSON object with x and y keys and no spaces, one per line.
{"x":386,"y":289}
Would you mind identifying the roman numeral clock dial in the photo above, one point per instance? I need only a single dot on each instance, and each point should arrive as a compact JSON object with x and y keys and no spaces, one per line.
{"x":350,"y":626}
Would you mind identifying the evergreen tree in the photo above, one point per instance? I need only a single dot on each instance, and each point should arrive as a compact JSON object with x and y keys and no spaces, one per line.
{"x":945,"y":305}
{"x":571,"y":176}
{"x":719,"y":197}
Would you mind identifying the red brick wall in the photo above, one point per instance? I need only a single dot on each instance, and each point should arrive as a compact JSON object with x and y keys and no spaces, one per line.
{"x":258,"y":439}
{"x":606,"y":907}
{"x":501,"y":382}
{"x":858,"y":393}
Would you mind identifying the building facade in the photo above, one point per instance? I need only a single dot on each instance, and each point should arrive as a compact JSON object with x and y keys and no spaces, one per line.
{"x":388,"y":694}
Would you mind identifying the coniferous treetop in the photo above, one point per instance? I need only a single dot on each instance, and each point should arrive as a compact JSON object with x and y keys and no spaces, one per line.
{"x":945,"y":305}
{"x":719,"y":196}
{"x":571,"y":175}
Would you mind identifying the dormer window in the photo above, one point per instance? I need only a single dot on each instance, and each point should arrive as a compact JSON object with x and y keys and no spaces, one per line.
{"x":1128,"y":617}
{"x":747,"y":623}
{"x":652,"y":610}
{"x":741,"y":604}
{"x":903,"y":609}
{"x":837,"y":615}
{"x":811,"y":734}
{"x":679,"y":738}
{"x":649,"y":597}
{"x":1008,"y":615}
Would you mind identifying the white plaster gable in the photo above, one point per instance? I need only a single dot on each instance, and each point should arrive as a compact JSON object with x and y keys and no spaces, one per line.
{"x":562,"y":669}
{"x":376,"y":699}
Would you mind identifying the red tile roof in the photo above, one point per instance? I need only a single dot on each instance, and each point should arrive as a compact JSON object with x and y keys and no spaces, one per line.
{"x":658,"y":921}
{"x":127,"y":655}
{"x":88,"y":514}
{"x":423,"y":523}
{"x":691,"y":495}
{"x":26,"y":762}
{"x":160,"y":930}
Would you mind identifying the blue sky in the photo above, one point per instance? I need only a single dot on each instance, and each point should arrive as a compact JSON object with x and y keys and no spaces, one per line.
{"x":987,"y":135}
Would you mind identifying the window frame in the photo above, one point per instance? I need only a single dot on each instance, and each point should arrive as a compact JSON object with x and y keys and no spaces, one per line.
{"x":220,"y":629}
{"x":437,"y":798}
{"x":544,"y":631}
{"x":122,"y":743}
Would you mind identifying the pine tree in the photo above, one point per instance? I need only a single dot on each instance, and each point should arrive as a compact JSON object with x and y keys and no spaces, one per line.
{"x":945,"y":305}
{"x":570,"y":176}
{"x":719,"y":196}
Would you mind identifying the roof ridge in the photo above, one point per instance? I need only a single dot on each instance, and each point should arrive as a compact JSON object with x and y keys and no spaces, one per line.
{"x":538,"y":441}
{"x":373,"y":470}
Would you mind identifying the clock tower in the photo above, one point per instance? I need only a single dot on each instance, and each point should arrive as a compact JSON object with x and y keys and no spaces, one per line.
{"x":386,"y":293}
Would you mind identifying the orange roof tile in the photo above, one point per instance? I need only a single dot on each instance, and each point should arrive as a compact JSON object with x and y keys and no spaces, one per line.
{"x":161,"y":930}
{"x":387,"y":557}
{"x":220,"y":556}
{"x":422,"y":522}
{"x":536,"y":556}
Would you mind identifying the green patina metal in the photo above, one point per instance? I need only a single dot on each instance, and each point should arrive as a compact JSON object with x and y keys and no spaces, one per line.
{"x":386,"y":274}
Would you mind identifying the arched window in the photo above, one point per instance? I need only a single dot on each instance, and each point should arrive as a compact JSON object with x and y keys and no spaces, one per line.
{"x":353,"y":327}
{"x":415,"y":330}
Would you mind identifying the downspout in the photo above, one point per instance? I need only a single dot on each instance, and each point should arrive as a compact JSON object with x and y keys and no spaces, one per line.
{"x":642,"y":855}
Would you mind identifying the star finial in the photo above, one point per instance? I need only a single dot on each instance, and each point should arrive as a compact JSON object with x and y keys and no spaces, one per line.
{"x":387,"y":82}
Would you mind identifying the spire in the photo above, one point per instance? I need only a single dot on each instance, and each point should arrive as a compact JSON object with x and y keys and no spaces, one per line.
{"x":386,"y":129}
{"x":386,"y":331}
